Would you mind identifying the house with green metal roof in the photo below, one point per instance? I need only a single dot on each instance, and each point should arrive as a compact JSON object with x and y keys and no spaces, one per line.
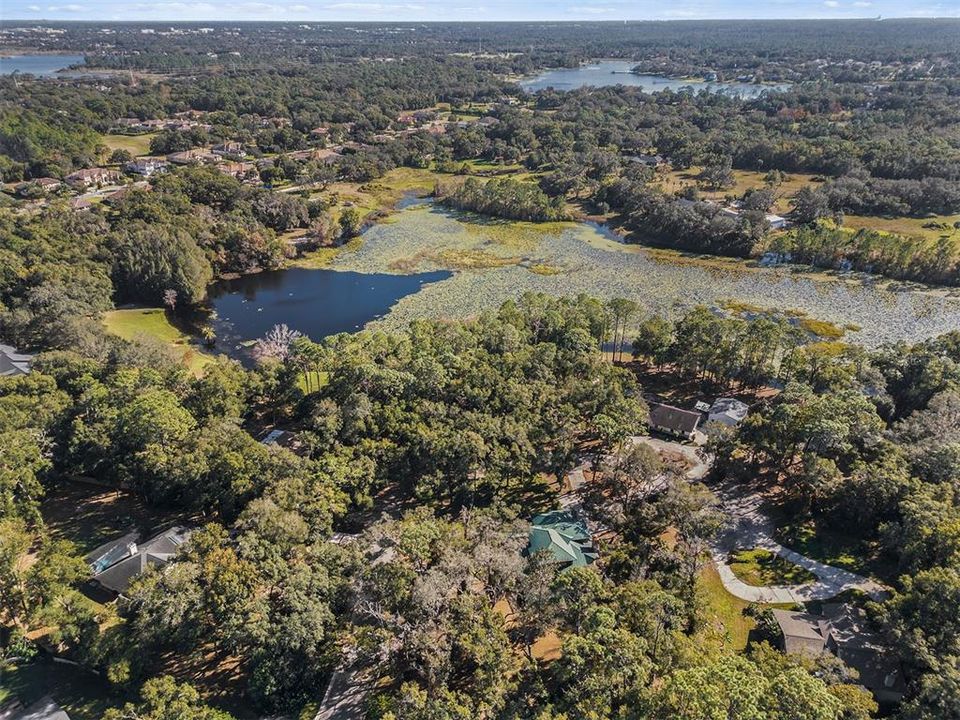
{"x":564,"y":537}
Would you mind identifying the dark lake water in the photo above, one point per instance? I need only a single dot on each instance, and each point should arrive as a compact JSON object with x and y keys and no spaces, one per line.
{"x":37,"y":64}
{"x":617,"y":72}
{"x":315,"y":302}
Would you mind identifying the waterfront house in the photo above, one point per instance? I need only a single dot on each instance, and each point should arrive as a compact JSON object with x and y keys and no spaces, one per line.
{"x":674,"y":421}
{"x":728,"y":411}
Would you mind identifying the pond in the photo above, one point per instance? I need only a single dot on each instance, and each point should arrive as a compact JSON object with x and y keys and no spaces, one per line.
{"x":315,"y":302}
{"x":618,"y":72}
{"x":39,"y":65}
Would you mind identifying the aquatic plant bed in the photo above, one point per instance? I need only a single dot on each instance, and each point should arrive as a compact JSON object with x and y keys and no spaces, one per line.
{"x":583,"y":258}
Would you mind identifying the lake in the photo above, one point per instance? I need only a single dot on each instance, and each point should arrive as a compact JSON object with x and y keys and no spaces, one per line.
{"x":39,"y":65}
{"x":494,"y":261}
{"x":617,"y":72}
{"x":315,"y":302}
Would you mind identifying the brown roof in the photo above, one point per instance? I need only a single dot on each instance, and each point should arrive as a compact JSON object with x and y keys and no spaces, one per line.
{"x":842,"y":630}
{"x":673,"y":418}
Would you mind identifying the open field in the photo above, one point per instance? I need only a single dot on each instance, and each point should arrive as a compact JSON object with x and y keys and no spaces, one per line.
{"x":926,"y":228}
{"x":153,"y":323}
{"x":136,"y":144}
{"x":675,"y":180}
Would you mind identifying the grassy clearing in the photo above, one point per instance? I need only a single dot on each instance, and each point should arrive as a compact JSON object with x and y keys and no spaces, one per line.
{"x":675,"y":180}
{"x":723,"y":611}
{"x":835,"y":548}
{"x":82,"y":694}
{"x":153,"y":323}
{"x":762,"y":567}
{"x":135,"y":144}
{"x":377,"y":195}
{"x":930,"y":228}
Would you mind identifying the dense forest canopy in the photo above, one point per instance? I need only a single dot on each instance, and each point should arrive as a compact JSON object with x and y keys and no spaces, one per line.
{"x":389,"y":541}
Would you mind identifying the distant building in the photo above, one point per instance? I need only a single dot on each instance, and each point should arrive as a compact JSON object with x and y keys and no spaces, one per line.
{"x":13,"y":363}
{"x":842,"y":631}
{"x":92,"y":176}
{"x":728,"y":411}
{"x":777,"y":222}
{"x":230,"y":149}
{"x":146,"y":166}
{"x":117,"y":564}
{"x":564,"y":537}
{"x":285,"y":439}
{"x":648,"y":160}
{"x":673,"y":420}
{"x":191,"y":157}
{"x":238,"y":170}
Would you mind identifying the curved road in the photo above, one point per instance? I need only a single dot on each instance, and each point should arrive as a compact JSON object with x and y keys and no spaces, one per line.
{"x":749,"y":528}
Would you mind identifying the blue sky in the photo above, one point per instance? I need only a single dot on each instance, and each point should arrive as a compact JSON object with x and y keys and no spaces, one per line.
{"x":469,"y":10}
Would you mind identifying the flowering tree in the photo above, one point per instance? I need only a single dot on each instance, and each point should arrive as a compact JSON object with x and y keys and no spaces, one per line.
{"x":276,"y":343}
{"x":170,"y":299}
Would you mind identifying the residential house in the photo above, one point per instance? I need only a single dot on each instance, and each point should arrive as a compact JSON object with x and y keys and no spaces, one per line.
{"x":673,"y":420}
{"x":728,"y":411}
{"x":648,"y":160}
{"x":230,"y":150}
{"x":563,"y":537}
{"x":842,"y":631}
{"x":146,"y":166}
{"x":239,"y":170}
{"x":194,"y":156}
{"x":92,"y":176}
{"x":324,"y":155}
{"x":488,"y":121}
{"x":320,"y":132}
{"x":117,"y":564}
{"x":285,"y":439}
{"x":37,"y":186}
{"x":13,"y":363}
{"x":777,"y":222}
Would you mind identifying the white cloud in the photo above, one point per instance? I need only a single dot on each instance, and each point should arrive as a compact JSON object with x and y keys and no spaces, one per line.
{"x":33,"y":8}
{"x":66,"y":8}
{"x":831,"y":3}
{"x":370,"y":7}
{"x":862,"y":3}
{"x":299,"y":8}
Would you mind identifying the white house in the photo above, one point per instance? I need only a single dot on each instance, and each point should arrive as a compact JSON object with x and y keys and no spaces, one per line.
{"x":728,"y":411}
{"x":146,"y":166}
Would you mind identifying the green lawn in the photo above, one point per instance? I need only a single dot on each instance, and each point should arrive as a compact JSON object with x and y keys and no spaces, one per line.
{"x":136,"y":144}
{"x":835,"y":548}
{"x":761,"y":567}
{"x":723,"y":612}
{"x":154,"y":323}
{"x":82,"y":694}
